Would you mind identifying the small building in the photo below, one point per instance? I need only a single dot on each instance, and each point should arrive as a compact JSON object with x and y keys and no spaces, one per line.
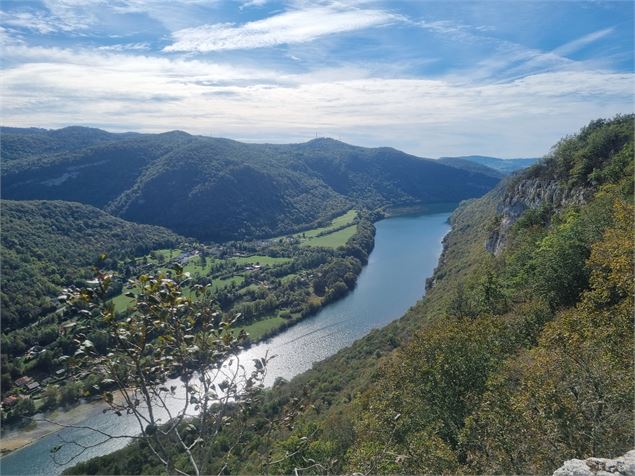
{"x":33,"y":387}
{"x":23,"y":381}
{"x":9,"y":401}
{"x":33,"y":352}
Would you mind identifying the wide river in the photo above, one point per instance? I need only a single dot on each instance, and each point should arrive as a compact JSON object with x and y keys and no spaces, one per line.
{"x":407,"y":249}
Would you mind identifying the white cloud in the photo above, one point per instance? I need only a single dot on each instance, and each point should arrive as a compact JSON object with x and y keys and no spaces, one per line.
{"x":74,"y":14}
{"x":53,"y":87}
{"x":293,"y":26}
{"x":38,"y":21}
{"x":577,"y":44}
{"x":139,"y":46}
{"x":253,"y":3}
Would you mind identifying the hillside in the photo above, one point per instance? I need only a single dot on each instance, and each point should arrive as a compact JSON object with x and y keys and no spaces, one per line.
{"x":461,"y":163}
{"x":18,"y":143}
{"x":49,"y":244}
{"x":514,"y":362}
{"x":219,"y":189}
{"x":503,"y":166}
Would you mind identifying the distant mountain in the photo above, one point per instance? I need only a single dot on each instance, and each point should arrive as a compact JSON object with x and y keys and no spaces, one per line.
{"x":505,"y":166}
{"x":219,"y":189}
{"x":18,"y":143}
{"x":49,"y":244}
{"x":461,"y":163}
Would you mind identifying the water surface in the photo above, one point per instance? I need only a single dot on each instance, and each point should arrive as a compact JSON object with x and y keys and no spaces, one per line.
{"x":406,"y":251}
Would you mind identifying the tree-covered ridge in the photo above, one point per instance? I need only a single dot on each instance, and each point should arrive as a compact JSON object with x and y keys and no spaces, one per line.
{"x":531,"y":361}
{"x":502,"y":166}
{"x":18,"y":143}
{"x":461,"y":163}
{"x":219,"y":189}
{"x":511,"y":364}
{"x":50,"y":244}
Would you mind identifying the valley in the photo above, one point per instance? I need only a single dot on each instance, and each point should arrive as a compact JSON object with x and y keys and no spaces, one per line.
{"x":316,"y":238}
{"x":531,"y":285}
{"x":406,"y":246}
{"x":269,"y":284}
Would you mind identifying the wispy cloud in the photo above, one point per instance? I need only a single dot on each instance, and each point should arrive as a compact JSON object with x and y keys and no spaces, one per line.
{"x":38,"y":21}
{"x":54,"y":87}
{"x":139,"y":46}
{"x":427,"y":79}
{"x":579,"y":43}
{"x":293,"y":26}
{"x":253,"y":3}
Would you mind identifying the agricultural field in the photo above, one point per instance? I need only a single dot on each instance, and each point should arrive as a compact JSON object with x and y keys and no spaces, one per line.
{"x":258,"y":329}
{"x":338,"y":222}
{"x":260,"y":260}
{"x":332,"y":240}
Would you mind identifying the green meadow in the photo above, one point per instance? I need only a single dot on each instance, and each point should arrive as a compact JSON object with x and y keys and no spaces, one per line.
{"x":332,"y":240}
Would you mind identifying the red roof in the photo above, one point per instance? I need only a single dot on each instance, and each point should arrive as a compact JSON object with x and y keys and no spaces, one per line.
{"x":9,"y":401}
{"x":23,"y":381}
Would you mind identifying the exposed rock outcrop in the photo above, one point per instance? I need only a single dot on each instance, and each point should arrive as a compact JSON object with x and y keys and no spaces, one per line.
{"x":531,"y":193}
{"x":624,"y":465}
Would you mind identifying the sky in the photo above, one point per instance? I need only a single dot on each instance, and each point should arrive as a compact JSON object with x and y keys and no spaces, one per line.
{"x":506,"y":79}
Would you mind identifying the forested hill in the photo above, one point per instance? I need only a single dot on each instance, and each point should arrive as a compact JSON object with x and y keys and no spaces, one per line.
{"x":19,"y":143}
{"x":514,"y":362}
{"x":502,"y":166}
{"x":218,"y":189}
{"x":50,"y":244}
{"x":461,"y":163}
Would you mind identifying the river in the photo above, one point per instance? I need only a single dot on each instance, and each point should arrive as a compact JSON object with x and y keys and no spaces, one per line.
{"x":406,"y":251}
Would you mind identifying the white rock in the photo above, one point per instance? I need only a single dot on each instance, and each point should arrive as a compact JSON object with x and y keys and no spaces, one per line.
{"x":622,"y":466}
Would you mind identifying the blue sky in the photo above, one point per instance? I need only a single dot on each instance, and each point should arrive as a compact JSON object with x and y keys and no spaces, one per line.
{"x":431,"y":78}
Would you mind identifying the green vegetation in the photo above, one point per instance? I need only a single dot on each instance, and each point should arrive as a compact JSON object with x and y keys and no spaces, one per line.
{"x":332,"y":240}
{"x":512,"y":363}
{"x":261,"y":260}
{"x":486,"y":164}
{"x":47,"y":245}
{"x":263,"y":327}
{"x":268,"y":284}
{"x":218,"y":189}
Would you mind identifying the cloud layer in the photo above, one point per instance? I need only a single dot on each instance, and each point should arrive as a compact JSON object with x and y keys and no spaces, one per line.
{"x":295,"y":26}
{"x":477,"y":78}
{"x":427,"y":117}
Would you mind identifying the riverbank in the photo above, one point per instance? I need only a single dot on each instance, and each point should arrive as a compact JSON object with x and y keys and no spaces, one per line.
{"x":17,"y":438}
{"x":419,"y":209}
{"x":407,"y":247}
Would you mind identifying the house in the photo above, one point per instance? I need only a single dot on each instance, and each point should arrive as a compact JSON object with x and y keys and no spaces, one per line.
{"x":34,"y":352}
{"x":23,"y":381}
{"x":32,"y":387}
{"x":9,"y":401}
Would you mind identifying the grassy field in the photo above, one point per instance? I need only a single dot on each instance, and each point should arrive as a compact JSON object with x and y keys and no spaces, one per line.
{"x":345,"y":219}
{"x":259,"y":328}
{"x":121,"y":302}
{"x":167,"y":254}
{"x":332,"y":240}
{"x":288,"y":277}
{"x":261,"y":260}
{"x":337,"y":222}
{"x":193,"y":266}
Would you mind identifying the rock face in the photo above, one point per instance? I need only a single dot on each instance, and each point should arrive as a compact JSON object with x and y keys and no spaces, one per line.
{"x":624,"y":465}
{"x":531,"y":193}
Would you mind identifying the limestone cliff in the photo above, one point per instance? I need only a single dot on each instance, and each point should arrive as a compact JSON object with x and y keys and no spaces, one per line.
{"x":528,"y":193}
